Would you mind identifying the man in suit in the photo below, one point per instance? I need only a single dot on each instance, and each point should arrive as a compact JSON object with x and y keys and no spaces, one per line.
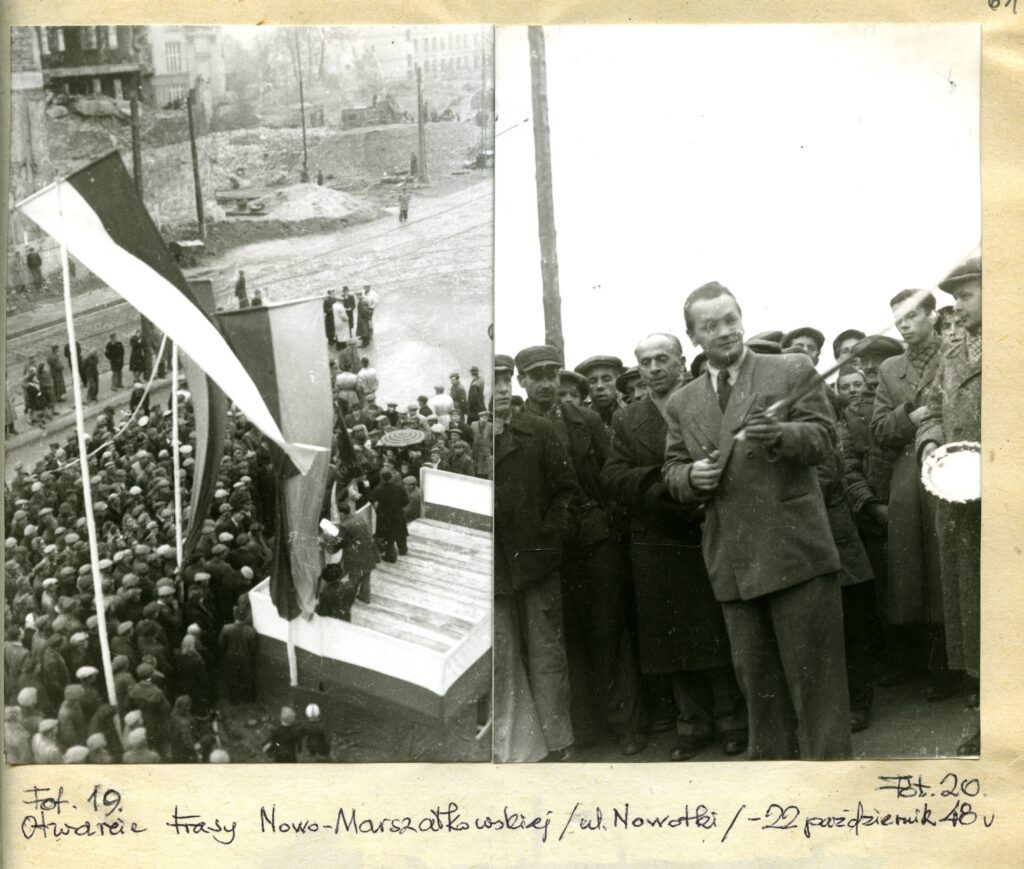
{"x":914,"y":595}
{"x":114,"y":351}
{"x":534,"y":484}
{"x":953,"y":413}
{"x":390,"y":500}
{"x":680,"y":625}
{"x":766,"y":540}
{"x":603,"y":665}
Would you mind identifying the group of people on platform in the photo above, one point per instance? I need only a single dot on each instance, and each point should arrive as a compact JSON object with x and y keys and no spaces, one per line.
{"x":737,"y":550}
{"x":453,"y":433}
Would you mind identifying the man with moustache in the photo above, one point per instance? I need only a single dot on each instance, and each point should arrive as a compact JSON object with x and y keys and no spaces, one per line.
{"x":603,"y":669}
{"x":534,"y":484}
{"x":681,"y":630}
{"x":601,"y":373}
{"x":766,"y":538}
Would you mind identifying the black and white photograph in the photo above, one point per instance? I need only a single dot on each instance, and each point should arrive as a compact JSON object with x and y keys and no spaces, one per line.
{"x":248,"y":443}
{"x":737,"y":393}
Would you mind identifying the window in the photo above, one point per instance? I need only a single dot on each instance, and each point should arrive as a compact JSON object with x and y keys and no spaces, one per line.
{"x":118,"y":89}
{"x":60,"y":38}
{"x":44,"y":40}
{"x":458,"y":62}
{"x":89,"y":41}
{"x":111,"y":37}
{"x":433,"y":43}
{"x":97,"y":86}
{"x":415,"y":45}
{"x":172,"y":54}
{"x":175,"y":93}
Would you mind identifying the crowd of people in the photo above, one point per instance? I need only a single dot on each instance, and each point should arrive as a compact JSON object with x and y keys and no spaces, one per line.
{"x":182,"y":645}
{"x":735,"y":550}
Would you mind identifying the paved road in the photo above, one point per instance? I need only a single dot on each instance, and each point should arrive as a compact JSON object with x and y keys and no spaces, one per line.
{"x":433,"y":276}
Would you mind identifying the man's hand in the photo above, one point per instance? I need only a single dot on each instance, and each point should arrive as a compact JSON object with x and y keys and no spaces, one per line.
{"x":879,"y":512}
{"x":705,"y":473}
{"x":927,"y":450}
{"x":917,"y":414}
{"x":763,"y":428}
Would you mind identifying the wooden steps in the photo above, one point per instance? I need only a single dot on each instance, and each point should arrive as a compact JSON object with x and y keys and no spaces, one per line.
{"x":437,"y":594}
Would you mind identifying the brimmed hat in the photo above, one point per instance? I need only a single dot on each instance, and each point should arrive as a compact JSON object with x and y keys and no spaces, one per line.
{"x":538,"y":355}
{"x":968,"y":271}
{"x":595,"y":361}
{"x":810,"y":331}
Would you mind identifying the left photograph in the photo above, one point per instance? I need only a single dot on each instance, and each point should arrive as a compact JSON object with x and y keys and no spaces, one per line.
{"x":248,"y":442}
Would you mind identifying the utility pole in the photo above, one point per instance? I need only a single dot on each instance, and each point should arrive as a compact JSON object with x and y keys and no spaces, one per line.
{"x":545,"y":196}
{"x":195,"y":163}
{"x":145,"y":329}
{"x":302,"y":110}
{"x":419,"y":126}
{"x":485,"y":114}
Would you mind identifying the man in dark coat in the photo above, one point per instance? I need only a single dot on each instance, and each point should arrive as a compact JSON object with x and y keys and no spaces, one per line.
{"x":238,"y":648}
{"x":91,"y":376}
{"x":953,"y":413}
{"x":914,"y":599}
{"x":152,"y":703}
{"x":136,"y":356}
{"x":767,"y":542}
{"x":364,"y":320}
{"x":681,"y":628}
{"x":390,"y":499}
{"x":335,"y":599}
{"x":35,"y":267}
{"x":349,"y":303}
{"x":114,"y":351}
{"x":534,"y":485}
{"x":57,"y":372}
{"x":457,"y":392}
{"x":358,"y":550}
{"x":603,"y":665}
{"x":475,"y":400}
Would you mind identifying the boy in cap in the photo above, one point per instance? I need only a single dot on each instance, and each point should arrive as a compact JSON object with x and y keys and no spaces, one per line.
{"x":953,"y":413}
{"x":282,"y":747}
{"x":601,"y":372}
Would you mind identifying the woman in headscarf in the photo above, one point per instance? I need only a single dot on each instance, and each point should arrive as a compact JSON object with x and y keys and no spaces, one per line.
{"x":183,"y":731}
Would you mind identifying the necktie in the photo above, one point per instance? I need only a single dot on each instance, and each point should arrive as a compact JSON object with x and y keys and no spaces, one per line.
{"x":724,"y":388}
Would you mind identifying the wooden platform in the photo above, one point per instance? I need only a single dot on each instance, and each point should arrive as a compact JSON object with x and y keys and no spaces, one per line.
{"x":427,"y":626}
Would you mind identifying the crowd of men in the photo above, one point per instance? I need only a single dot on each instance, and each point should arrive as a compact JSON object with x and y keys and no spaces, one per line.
{"x":182,"y":643}
{"x":737,"y":550}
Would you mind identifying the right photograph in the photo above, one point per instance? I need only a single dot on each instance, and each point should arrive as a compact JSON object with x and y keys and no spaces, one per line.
{"x":737,"y":393}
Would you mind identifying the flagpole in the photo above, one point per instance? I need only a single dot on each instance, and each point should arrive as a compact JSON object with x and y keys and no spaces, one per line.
{"x":97,"y":583}
{"x":178,"y":540}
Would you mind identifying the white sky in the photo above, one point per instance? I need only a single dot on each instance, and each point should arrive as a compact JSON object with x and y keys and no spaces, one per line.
{"x":814,"y":170}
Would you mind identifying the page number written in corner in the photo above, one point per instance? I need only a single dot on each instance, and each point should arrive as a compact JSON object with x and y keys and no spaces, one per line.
{"x":995,"y":5}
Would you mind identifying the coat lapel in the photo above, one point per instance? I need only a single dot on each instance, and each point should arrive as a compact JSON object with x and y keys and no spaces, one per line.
{"x":648,"y":426}
{"x":706,"y":420}
{"x":508,"y":443}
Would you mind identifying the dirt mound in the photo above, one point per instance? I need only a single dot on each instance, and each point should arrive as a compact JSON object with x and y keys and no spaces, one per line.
{"x":308,"y":201}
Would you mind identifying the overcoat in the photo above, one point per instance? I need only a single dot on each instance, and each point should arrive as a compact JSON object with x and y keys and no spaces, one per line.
{"x":954,"y":414}
{"x":534,"y":484}
{"x":680,"y":622}
{"x":915,"y":580}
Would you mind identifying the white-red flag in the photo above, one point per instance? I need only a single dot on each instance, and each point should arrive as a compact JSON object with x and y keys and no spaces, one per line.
{"x":96,"y":213}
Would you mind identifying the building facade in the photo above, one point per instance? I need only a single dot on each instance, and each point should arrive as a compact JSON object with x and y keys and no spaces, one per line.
{"x":452,"y":52}
{"x":184,"y":58}
{"x":93,"y":60}
{"x":30,"y":160}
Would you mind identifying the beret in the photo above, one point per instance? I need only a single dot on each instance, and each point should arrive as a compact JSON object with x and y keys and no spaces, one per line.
{"x":28,"y":696}
{"x":50,"y":582}
{"x":225,"y":537}
{"x":132,"y":718}
{"x":80,"y":637}
{"x":124,"y":628}
{"x":202,"y":577}
{"x":218,"y":549}
{"x":594,"y":361}
{"x":85,"y":672}
{"x":164,"y":591}
{"x":96,"y":741}
{"x":106,"y":564}
{"x":541,"y":354}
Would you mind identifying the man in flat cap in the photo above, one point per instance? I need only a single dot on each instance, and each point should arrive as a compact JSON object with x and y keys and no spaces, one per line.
{"x":601,"y":373}
{"x":457,"y":392}
{"x":914,"y":595}
{"x":807,"y":339}
{"x":843,"y":345}
{"x":766,"y":538}
{"x":954,"y":414}
{"x":680,"y":626}
{"x":534,"y":484}
{"x":602,"y":660}
{"x":630,"y":386}
{"x":475,"y":400}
